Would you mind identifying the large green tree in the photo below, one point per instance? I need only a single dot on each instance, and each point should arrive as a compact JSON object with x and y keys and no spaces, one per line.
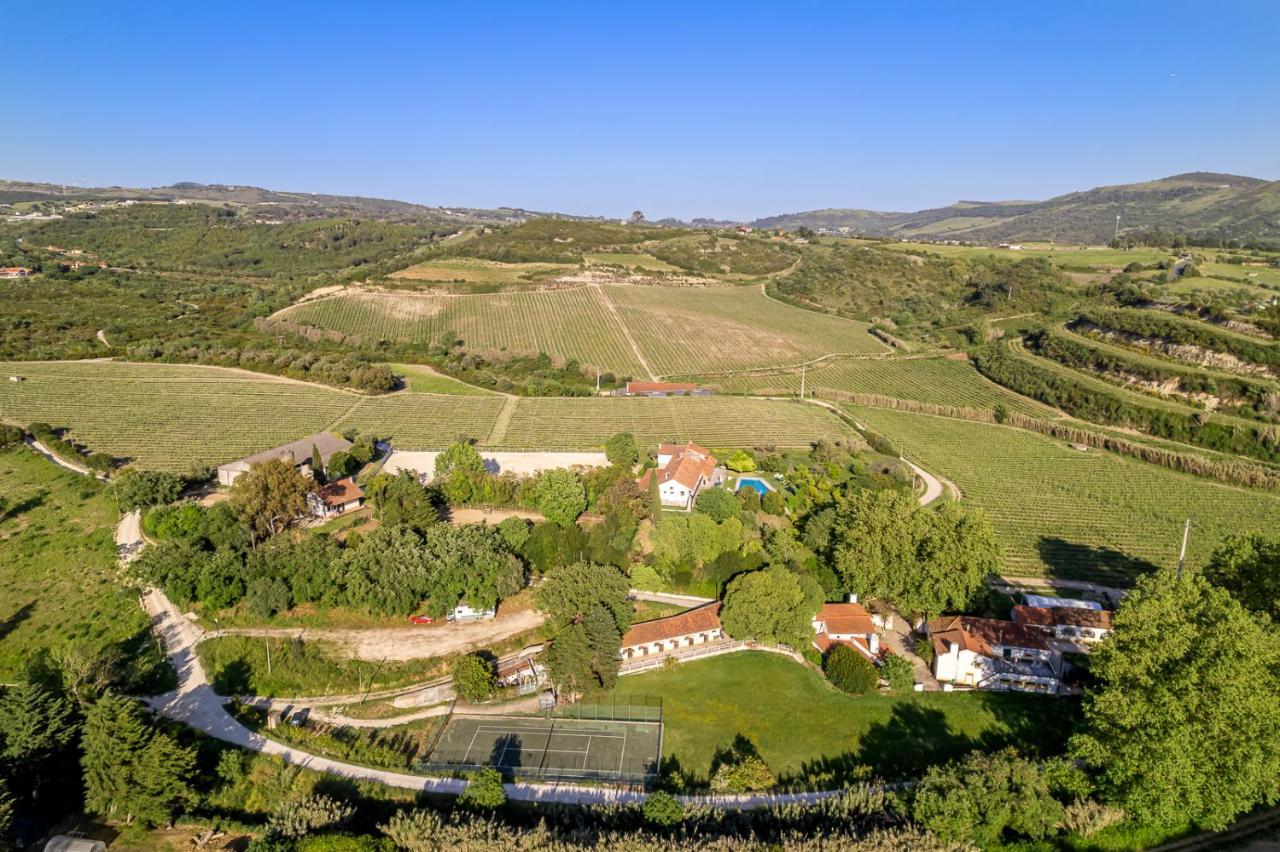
{"x":587,"y":611}
{"x":38,"y":733}
{"x":883,"y":544}
{"x":402,"y":500}
{"x":270,"y":496}
{"x":569,"y":591}
{"x":559,"y":496}
{"x":621,"y":450}
{"x":462,"y":456}
{"x":772,"y":605}
{"x":1248,"y":566}
{"x":984,"y":797}
{"x":1185,"y":724}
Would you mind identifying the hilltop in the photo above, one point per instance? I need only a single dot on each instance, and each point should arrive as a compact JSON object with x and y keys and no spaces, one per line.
{"x":1200,"y":204}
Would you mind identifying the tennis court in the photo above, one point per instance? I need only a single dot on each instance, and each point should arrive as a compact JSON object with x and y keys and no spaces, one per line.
{"x":546,"y":747}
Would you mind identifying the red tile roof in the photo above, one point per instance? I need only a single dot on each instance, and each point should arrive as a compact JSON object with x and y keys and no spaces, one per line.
{"x":661,"y":387}
{"x":846,"y":618}
{"x":825,"y":643}
{"x":1062,"y":615}
{"x":701,"y":620}
{"x":340,"y":492}
{"x":979,"y":634}
{"x":688,"y":464}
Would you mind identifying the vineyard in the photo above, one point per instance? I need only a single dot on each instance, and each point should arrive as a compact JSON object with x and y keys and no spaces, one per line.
{"x":940,"y":381}
{"x":676,"y":329}
{"x":1062,"y":512}
{"x":165,"y":416}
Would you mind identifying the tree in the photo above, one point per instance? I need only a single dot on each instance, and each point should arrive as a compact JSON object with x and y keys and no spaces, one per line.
{"x":884,"y":545}
{"x":982,"y":796}
{"x":131,"y":771}
{"x":269,"y":496}
{"x":473,"y":678}
{"x":718,"y":504}
{"x":1185,"y":724}
{"x":317,"y":464}
{"x":741,"y":769}
{"x":569,"y":591}
{"x":138,"y":489}
{"x":38,"y":732}
{"x":484,"y":791}
{"x":850,"y":671}
{"x":621,"y":450}
{"x":341,"y":464}
{"x":461,"y":456}
{"x":1248,"y":566}
{"x":401,"y":500}
{"x":899,"y":672}
{"x":741,"y":462}
{"x":637,"y":217}
{"x":662,"y":808}
{"x":559,"y":496}
{"x":773,"y":605}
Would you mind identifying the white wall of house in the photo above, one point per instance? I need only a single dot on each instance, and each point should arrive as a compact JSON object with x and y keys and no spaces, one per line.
{"x":675,"y":494}
{"x":675,"y":643}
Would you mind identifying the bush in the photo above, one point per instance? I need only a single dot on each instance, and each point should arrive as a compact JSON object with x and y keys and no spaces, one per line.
{"x":473,"y":678}
{"x":1087,"y":817}
{"x":661,"y":808}
{"x":741,"y":462}
{"x":743,"y":773}
{"x":485,"y":790}
{"x":299,"y":817}
{"x":848,"y":670}
{"x":899,"y":672}
{"x":718,"y":504}
{"x":984,"y":796}
{"x":621,"y":450}
{"x":772,"y":503}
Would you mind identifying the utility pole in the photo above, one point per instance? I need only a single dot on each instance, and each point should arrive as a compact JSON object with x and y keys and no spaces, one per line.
{"x":597,"y":381}
{"x":802,"y":372}
{"x":1117,"y":236}
{"x":266,"y":640}
{"x":1182,"y":557}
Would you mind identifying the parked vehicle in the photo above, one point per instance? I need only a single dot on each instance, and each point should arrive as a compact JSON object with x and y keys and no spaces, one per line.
{"x":421,"y":619}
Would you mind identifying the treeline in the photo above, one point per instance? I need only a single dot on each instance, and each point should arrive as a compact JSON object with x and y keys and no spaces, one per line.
{"x":1250,"y":399}
{"x":345,"y":371}
{"x":1088,"y":403}
{"x":1182,"y":332}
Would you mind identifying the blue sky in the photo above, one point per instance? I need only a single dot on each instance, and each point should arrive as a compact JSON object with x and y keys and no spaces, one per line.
{"x":726,"y":110}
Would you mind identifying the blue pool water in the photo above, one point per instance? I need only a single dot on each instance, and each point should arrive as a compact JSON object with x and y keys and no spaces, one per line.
{"x":755,"y":483}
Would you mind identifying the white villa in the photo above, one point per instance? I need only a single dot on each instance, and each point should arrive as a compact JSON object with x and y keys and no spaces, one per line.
{"x":682,"y":472}
{"x":983,"y":653}
{"x":663,"y":635}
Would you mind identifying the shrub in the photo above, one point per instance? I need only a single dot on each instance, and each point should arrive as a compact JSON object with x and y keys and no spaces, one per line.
{"x":745,"y":773}
{"x":662,"y":808}
{"x":299,"y":817}
{"x":981,"y":797}
{"x":772,"y":503}
{"x":1087,"y":817}
{"x":741,"y":462}
{"x":848,"y":670}
{"x":621,"y":450}
{"x":718,"y":504}
{"x":899,"y":672}
{"x":473,"y":678}
{"x":485,"y":790}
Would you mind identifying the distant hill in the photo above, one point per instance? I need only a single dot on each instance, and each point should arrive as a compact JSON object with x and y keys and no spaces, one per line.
{"x":1202,"y":204}
{"x":273,"y":203}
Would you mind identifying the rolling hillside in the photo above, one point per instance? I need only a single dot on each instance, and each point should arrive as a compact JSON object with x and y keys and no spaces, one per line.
{"x":1202,"y":204}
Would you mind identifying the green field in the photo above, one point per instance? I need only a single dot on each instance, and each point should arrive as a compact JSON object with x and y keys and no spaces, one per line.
{"x":937,"y":380}
{"x":1065,"y":256}
{"x":59,"y":587}
{"x":646,"y":262}
{"x":474,"y":271}
{"x":170,"y":417}
{"x":675,"y":329}
{"x":803,"y":727}
{"x":420,"y":379}
{"x":1065,"y":513}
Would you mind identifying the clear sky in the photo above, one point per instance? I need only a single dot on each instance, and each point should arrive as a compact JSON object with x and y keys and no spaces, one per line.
{"x":686,"y":109}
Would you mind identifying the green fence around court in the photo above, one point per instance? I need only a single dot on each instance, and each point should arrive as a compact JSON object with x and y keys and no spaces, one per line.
{"x":625,"y":708}
{"x":553,"y":746}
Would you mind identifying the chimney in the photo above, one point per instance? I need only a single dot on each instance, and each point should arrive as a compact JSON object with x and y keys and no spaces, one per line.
{"x":851,"y":598}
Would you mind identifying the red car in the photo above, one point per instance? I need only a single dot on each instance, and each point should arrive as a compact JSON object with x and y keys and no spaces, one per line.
{"x":421,"y":619}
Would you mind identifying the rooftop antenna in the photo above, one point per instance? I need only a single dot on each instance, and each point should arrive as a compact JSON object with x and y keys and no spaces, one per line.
{"x":1182,"y":556}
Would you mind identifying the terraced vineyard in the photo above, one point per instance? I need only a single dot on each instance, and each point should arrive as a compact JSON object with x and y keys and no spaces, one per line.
{"x":676,"y":329}
{"x":941,"y":381}
{"x":1061,"y":512}
{"x":165,"y":416}
{"x":415,"y":421}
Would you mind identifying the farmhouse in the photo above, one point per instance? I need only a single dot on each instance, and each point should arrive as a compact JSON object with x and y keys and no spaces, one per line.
{"x":335,"y":498}
{"x":663,"y":635}
{"x":846,"y":624}
{"x":983,"y":653}
{"x":14,"y":272}
{"x":664,"y":389}
{"x":682,"y":472}
{"x":296,"y":452}
{"x":1066,"y":623}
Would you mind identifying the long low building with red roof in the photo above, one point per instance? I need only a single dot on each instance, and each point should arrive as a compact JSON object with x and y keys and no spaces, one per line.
{"x":985,"y":653}
{"x":674,"y":633}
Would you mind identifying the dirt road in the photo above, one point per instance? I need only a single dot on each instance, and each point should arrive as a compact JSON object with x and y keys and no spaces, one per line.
{"x":410,"y":642}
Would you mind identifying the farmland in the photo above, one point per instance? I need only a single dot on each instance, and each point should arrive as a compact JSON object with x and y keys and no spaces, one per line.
{"x":175,"y":417}
{"x":1062,"y":512}
{"x":675,"y":329}
{"x":456,"y":270}
{"x":936,"y":380}
{"x":421,"y":379}
{"x":166,"y":416}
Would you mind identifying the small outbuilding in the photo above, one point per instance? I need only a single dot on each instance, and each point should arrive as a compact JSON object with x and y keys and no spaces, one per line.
{"x":74,"y":842}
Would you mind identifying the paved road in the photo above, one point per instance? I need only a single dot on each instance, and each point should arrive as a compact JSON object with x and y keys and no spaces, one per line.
{"x":59,"y":460}
{"x":669,"y":598}
{"x":932,"y":487}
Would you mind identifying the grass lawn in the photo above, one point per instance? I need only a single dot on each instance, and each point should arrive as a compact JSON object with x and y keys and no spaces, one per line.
{"x":58,"y":577}
{"x":804,"y":728}
{"x":421,"y":379}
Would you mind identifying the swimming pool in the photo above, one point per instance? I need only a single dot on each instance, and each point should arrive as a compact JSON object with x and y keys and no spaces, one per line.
{"x":755,"y":483}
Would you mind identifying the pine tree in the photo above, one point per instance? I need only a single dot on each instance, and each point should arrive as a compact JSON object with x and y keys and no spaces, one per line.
{"x":115,"y":737}
{"x":37,"y":729}
{"x":163,"y":782}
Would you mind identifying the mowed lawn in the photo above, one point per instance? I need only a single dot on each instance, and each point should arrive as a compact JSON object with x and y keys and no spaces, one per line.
{"x":58,"y":578}
{"x":803,"y":727}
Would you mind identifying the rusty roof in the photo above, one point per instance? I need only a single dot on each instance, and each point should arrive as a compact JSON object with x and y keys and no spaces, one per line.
{"x":700,"y":620}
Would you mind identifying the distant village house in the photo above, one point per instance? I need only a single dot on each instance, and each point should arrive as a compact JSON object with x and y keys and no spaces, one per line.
{"x":14,"y":272}
{"x":661,"y":389}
